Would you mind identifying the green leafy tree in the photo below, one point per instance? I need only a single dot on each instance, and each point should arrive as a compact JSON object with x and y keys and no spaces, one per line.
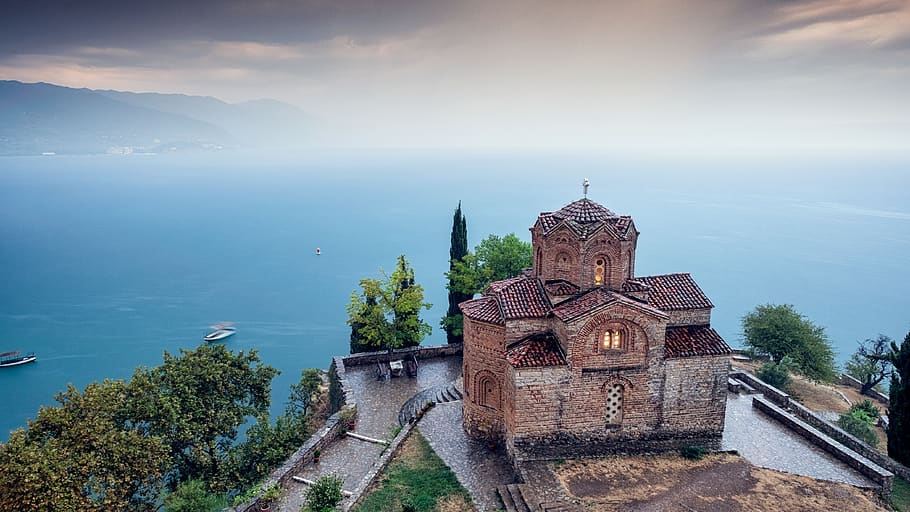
{"x":85,"y":454}
{"x":494,"y":259}
{"x":395,"y":321}
{"x":899,"y":406}
{"x":779,"y":330}
{"x":196,"y":402}
{"x":870,"y":364}
{"x":453,"y":322}
{"x":370,"y":314}
{"x":325,"y":494}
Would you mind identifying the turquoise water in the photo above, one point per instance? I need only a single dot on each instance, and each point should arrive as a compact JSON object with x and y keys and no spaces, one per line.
{"x":109,"y":261}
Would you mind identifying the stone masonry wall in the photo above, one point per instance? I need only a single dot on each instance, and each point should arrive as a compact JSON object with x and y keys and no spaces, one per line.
{"x":690,"y":317}
{"x":695,"y":392}
{"x":483,"y":363}
{"x":537,"y":403}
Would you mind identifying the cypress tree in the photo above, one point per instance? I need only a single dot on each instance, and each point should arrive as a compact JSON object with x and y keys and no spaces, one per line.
{"x":452,"y":322}
{"x":899,"y":408}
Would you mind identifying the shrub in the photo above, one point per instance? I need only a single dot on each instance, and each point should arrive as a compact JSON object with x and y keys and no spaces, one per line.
{"x":867,"y":410}
{"x":693,"y":452}
{"x":777,"y":373}
{"x":855,"y":423}
{"x":325,"y":494}
{"x":192,"y":496}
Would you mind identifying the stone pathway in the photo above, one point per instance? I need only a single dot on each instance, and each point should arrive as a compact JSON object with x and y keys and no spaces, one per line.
{"x":378,"y":406}
{"x":764,"y":442}
{"x":479,"y":469}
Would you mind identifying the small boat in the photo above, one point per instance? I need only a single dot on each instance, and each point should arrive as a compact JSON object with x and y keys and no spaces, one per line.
{"x":16,"y":358}
{"x":318,"y":251}
{"x":221,"y":331}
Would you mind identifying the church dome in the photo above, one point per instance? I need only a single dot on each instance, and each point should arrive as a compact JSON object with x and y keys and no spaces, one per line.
{"x":584,"y":211}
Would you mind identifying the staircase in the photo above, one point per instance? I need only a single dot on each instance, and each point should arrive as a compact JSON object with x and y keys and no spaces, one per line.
{"x":520,"y":498}
{"x":436,"y":394}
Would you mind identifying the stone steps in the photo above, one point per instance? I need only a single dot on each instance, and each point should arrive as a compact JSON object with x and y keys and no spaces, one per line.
{"x":512,"y":497}
{"x":437,"y":394}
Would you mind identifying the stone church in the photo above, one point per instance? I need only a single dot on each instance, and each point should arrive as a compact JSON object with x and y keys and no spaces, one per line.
{"x":579,"y":356}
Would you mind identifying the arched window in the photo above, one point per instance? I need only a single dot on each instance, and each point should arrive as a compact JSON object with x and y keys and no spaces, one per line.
{"x":539,"y":267}
{"x":613,"y":339}
{"x":600,"y":266}
{"x":613,"y":398}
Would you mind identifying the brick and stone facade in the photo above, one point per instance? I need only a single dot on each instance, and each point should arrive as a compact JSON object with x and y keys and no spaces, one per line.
{"x":577,"y":356}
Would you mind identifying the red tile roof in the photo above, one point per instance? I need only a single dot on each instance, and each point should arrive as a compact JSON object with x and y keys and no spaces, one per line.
{"x":484,"y":309}
{"x":560,"y":287}
{"x":694,"y":340}
{"x":583,"y":303}
{"x":520,"y":297}
{"x":675,"y":291}
{"x":585,"y":217}
{"x":537,"y":350}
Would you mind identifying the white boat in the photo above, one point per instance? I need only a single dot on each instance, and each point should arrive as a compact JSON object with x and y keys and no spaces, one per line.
{"x":221,"y":331}
{"x":16,"y":358}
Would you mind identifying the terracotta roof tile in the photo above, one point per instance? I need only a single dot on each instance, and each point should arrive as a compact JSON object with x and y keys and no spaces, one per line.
{"x":585,"y":217}
{"x":583,"y":303}
{"x":537,"y":350}
{"x":484,"y":309}
{"x":675,"y":291}
{"x":694,"y":340}
{"x":632,"y":285}
{"x":560,"y":287}
{"x":520,"y":297}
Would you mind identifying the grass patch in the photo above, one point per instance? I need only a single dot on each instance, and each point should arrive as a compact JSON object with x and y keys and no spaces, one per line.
{"x":900,"y":496}
{"x":417,"y":480}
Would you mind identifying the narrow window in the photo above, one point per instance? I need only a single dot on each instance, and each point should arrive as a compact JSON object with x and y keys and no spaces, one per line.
{"x":614,"y":405}
{"x":612,"y":339}
{"x":599,"y":266}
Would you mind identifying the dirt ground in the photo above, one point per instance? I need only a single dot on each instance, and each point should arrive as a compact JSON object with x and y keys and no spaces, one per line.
{"x":717,"y":483}
{"x":823,"y":397}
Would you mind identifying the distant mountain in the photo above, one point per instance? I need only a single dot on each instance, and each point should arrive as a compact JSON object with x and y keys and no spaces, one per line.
{"x":44,"y":118}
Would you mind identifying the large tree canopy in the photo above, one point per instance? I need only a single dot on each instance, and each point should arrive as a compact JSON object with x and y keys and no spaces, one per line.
{"x":493,"y":259}
{"x":779,"y":330}
{"x":899,"y":407}
{"x":198,"y":400}
{"x":387,"y":312}
{"x":85,"y":454}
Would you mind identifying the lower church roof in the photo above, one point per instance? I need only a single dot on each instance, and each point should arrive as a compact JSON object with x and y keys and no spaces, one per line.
{"x":537,"y":350}
{"x":694,"y":340}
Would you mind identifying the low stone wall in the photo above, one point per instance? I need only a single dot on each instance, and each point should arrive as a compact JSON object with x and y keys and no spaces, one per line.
{"x":366,"y":358}
{"x":848,"y":440}
{"x":772,"y":393}
{"x":343,"y":407}
{"x":846,"y":380}
{"x":568,"y":446}
{"x":361,"y":490}
{"x":873,"y":471}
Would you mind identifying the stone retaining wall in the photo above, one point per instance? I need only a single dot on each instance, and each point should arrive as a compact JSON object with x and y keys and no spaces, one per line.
{"x":849,"y":440}
{"x":874,"y":472}
{"x":846,"y":380}
{"x":775,"y":395}
{"x":367,"y":358}
{"x":361,"y":490}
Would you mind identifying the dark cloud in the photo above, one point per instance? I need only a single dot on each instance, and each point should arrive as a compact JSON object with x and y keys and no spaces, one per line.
{"x":55,"y":26}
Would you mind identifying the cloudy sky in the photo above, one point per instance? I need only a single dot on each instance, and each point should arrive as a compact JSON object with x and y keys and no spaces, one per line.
{"x":700,"y":75}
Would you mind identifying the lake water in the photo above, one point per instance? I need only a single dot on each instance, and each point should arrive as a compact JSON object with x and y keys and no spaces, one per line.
{"x":109,"y":261}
